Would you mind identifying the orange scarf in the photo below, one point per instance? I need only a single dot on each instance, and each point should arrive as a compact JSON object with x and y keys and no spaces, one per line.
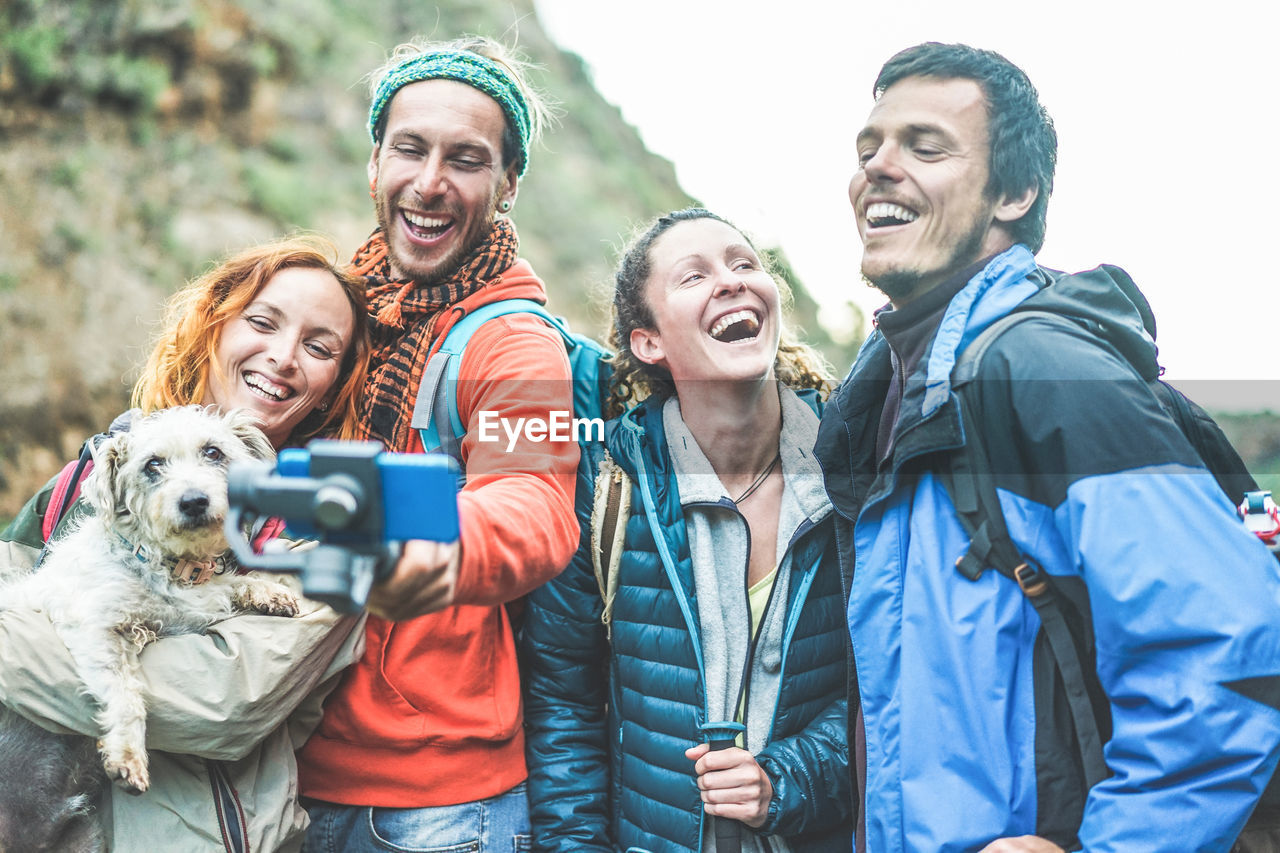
{"x":402,"y":316}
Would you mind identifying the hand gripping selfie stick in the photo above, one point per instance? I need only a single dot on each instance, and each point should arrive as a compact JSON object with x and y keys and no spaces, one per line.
{"x":723,"y":735}
{"x":358,"y":501}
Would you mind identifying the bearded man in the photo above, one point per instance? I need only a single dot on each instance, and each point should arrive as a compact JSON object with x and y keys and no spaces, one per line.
{"x":422,"y":744}
{"x":969,"y":733}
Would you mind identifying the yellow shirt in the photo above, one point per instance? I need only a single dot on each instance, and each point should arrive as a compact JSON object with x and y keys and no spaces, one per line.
{"x":758,"y":599}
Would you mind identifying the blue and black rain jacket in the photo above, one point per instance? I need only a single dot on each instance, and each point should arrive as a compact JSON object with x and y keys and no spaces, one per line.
{"x":965,"y":728}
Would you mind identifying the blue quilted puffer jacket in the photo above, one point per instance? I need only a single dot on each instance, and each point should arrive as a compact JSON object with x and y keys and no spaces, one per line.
{"x":608,"y":724}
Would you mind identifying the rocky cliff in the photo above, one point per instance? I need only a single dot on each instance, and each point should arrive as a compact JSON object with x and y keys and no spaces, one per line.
{"x":140,"y":140}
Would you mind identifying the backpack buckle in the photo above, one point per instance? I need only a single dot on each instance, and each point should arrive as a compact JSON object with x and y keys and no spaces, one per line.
{"x":1032,"y":581}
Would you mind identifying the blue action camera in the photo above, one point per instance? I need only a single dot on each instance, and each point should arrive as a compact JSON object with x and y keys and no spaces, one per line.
{"x":357,"y":500}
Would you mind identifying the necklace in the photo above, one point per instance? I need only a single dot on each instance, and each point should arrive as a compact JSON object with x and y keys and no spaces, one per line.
{"x":764,"y":475}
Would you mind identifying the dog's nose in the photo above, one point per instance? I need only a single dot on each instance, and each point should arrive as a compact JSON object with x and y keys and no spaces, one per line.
{"x":193,"y":504}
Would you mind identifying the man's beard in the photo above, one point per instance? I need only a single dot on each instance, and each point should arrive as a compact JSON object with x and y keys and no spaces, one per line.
{"x":904,"y":284}
{"x":408,"y":266}
{"x":899,"y":285}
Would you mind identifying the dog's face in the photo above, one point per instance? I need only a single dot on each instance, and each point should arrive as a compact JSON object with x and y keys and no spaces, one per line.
{"x":163,"y":483}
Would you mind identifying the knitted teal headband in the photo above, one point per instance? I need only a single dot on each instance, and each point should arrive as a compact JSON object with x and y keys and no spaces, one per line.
{"x":466,"y":67}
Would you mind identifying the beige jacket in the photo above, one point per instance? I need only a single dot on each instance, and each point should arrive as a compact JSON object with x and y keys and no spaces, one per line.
{"x":232,"y":703}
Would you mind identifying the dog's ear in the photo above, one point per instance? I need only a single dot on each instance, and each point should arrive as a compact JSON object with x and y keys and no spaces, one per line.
{"x":245,"y":427}
{"x":100,"y":487}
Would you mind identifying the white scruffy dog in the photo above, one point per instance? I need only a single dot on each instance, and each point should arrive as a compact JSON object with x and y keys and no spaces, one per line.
{"x":151,"y":561}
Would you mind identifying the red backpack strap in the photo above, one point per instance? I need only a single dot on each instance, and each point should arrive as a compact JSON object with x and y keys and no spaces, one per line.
{"x":67,"y":486}
{"x":65,"y":491}
{"x":270,"y":530}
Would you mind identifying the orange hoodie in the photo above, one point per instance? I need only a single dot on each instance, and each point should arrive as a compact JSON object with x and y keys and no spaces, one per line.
{"x":431,"y":714}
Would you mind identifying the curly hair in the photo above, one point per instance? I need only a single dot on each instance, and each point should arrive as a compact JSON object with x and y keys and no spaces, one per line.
{"x":1023,"y":142}
{"x":797,"y":365}
{"x":177,"y":371}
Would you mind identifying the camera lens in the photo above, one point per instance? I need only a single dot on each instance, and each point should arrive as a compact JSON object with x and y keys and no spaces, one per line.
{"x":335,"y":507}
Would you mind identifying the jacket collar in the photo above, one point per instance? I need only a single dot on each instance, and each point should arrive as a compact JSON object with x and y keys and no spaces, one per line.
{"x":518,"y":281}
{"x":699,"y":483}
{"x":1103,"y":300}
{"x":929,"y":418}
{"x":637,"y":441}
{"x":989,"y":295}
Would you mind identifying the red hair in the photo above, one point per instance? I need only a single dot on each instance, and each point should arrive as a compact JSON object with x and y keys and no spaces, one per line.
{"x":177,"y":371}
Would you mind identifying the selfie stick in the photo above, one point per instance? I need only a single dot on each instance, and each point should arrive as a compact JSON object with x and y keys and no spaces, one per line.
{"x":723,"y":735}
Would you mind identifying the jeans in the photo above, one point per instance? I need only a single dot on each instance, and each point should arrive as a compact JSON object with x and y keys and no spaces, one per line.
{"x":497,"y":825}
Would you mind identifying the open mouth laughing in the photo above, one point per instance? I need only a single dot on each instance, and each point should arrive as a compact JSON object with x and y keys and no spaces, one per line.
{"x":426,"y":226}
{"x":266,"y":389}
{"x":736,"y":327}
{"x":883,"y":214}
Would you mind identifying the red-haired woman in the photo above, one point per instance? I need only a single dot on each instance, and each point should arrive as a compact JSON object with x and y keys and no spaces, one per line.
{"x":279,"y":330}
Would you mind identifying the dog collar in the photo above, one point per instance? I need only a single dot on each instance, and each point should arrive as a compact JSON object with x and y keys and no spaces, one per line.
{"x":181,"y":569}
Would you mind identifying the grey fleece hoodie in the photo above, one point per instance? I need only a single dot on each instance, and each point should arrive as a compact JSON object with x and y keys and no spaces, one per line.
{"x":720,"y":548}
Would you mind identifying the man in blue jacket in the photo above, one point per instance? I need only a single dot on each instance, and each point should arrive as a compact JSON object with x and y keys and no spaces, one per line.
{"x":963,"y":732}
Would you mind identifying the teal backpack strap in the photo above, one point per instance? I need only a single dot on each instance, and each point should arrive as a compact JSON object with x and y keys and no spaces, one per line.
{"x":437,"y":392}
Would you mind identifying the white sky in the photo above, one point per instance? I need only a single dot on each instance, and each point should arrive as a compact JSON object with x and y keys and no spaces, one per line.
{"x":1165,"y":116}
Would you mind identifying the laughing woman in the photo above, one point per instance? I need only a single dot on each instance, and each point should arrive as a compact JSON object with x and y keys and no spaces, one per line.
{"x":280,"y":331}
{"x":726,"y":604}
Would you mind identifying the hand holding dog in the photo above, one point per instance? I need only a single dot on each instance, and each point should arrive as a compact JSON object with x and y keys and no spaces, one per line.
{"x":733,"y":785}
{"x":423,"y":581}
{"x":126,"y":573}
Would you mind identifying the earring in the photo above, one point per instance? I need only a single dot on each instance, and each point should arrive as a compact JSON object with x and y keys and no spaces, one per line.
{"x":373,"y":189}
{"x":504,"y":206}
{"x":324,"y":407}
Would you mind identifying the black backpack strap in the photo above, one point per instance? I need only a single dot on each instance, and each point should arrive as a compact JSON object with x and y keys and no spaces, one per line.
{"x":968,"y":477}
{"x":970,"y":481}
